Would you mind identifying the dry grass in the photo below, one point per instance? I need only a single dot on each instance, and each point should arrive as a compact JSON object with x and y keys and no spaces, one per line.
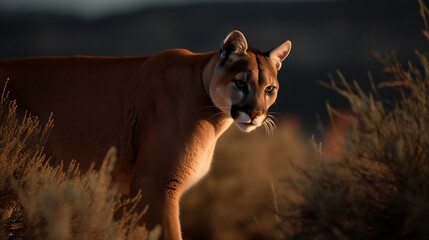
{"x":235,"y":201}
{"x":378,"y":188}
{"x":39,"y":201}
{"x":371,"y":183}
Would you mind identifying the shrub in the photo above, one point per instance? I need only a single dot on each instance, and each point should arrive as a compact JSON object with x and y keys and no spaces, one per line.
{"x":378,"y":188}
{"x":40,"y":201}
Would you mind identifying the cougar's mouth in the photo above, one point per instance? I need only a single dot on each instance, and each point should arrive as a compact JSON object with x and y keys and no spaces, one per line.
{"x":242,"y":120}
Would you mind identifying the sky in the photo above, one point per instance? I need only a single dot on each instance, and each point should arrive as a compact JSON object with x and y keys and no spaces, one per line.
{"x":100,"y":8}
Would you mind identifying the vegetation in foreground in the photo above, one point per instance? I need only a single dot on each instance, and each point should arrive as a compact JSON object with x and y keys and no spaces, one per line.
{"x":378,"y":188}
{"x":371,"y":183}
{"x":374,"y":188}
{"x":39,"y":201}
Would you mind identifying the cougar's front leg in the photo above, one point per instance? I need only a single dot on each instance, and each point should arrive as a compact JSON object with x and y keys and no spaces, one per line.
{"x":163,"y":207}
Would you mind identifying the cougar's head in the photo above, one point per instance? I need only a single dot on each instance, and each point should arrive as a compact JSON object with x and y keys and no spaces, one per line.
{"x":244,"y":83}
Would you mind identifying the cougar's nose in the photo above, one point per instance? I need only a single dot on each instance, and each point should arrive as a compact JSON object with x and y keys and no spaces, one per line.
{"x":253,"y":114}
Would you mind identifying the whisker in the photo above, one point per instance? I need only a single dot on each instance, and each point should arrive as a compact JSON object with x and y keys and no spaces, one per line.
{"x":274,"y":115}
{"x":273,"y":128}
{"x":270,"y":130}
{"x":218,"y":115}
{"x":265,"y":127}
{"x":271,"y":125}
{"x":271,"y":116}
{"x":271,"y":122}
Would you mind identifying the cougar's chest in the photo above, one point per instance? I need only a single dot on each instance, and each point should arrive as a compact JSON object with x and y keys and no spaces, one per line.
{"x":199,"y":165}
{"x":196,"y":157}
{"x":200,"y":151}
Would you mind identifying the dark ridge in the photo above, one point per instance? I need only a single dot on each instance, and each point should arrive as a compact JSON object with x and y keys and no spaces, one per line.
{"x":325,"y":36}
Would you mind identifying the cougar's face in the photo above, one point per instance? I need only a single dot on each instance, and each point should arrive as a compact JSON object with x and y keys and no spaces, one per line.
{"x":244,"y":87}
{"x":244,"y":83}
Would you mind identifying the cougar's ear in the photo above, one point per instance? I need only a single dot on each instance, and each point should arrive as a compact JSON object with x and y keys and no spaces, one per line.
{"x":278,"y":54}
{"x":235,"y":42}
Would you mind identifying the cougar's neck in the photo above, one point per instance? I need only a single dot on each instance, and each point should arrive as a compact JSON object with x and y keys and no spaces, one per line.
{"x":208,"y":71}
{"x":213,"y":114}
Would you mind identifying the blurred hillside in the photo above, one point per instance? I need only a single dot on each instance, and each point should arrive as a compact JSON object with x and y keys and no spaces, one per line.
{"x":236,"y":200}
{"x":326,"y":36}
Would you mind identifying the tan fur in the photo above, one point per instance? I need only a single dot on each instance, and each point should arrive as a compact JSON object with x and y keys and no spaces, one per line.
{"x":164,"y":112}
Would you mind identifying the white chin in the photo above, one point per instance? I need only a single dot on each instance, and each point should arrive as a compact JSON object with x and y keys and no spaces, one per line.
{"x":245,"y":127}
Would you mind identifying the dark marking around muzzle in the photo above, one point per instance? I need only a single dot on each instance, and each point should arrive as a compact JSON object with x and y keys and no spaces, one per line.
{"x":234,"y":111}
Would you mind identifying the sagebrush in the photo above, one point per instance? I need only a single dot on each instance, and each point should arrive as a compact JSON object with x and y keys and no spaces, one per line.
{"x":378,"y":187}
{"x":40,"y":201}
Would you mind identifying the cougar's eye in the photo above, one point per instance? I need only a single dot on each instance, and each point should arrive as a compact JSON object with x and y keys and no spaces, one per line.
{"x":240,"y":84}
{"x":269,"y":89}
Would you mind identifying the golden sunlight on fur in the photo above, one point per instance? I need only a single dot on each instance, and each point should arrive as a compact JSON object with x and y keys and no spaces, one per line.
{"x":163,"y":113}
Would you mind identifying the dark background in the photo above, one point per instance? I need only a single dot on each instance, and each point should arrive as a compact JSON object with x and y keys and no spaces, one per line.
{"x":326,"y":36}
{"x":234,"y":200}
